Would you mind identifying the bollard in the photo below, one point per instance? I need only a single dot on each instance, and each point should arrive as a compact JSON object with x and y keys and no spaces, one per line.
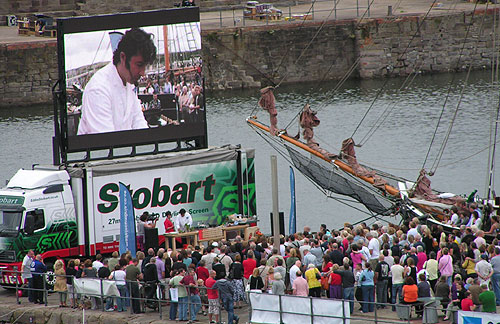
{"x":45,"y":292}
{"x":160,"y":299}
{"x":189,"y":305}
{"x":17,"y":290}
{"x":389,"y":10}
{"x":220,"y":18}
{"x":102,"y":296}
{"x":343,"y":310}
{"x":74,"y":295}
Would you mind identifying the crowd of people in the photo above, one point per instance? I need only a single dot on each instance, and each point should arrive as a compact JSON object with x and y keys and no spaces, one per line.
{"x":377,"y":266}
{"x":188,"y":95}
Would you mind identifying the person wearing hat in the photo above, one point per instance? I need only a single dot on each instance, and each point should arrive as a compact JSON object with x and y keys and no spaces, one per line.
{"x":215,"y":248}
{"x":278,"y":284}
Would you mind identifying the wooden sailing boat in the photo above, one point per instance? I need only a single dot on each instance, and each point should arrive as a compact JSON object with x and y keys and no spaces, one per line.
{"x":381,"y":193}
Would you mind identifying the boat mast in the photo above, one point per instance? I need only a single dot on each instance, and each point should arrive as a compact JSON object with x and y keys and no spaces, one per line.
{"x":165,"y":49}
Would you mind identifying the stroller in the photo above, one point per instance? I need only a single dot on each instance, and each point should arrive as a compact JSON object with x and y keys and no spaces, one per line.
{"x":151,"y":292}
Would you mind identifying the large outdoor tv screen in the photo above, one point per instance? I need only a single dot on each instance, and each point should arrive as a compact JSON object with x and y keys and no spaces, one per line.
{"x":132,"y":79}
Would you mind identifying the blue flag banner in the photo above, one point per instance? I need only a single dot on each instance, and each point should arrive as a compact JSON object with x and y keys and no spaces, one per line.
{"x":127,"y":222}
{"x":292,"y":225}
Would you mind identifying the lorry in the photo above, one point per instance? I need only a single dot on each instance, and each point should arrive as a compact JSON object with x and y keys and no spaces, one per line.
{"x":73,"y":210}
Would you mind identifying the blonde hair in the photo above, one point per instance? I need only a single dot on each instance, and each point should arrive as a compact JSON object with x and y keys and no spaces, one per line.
{"x":59,"y":264}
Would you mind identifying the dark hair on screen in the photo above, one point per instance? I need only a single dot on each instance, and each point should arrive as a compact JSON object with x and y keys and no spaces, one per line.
{"x":135,"y":41}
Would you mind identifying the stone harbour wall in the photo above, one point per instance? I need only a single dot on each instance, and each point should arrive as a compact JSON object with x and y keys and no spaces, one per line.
{"x":264,"y":55}
{"x":271,"y":54}
{"x":27,"y":73}
{"x":400,"y":46}
{"x":392,"y":46}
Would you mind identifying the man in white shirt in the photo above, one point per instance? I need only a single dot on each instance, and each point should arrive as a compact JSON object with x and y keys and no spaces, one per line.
{"x":293,"y":271}
{"x":484,"y":270}
{"x":397,"y":271}
{"x":109,"y":101}
{"x":26,"y":272}
{"x":374,"y":248}
{"x":209,"y":258}
{"x":97,"y":264}
{"x":182,"y":220}
{"x":304,"y":246}
{"x":480,"y":239}
{"x":455,"y":219}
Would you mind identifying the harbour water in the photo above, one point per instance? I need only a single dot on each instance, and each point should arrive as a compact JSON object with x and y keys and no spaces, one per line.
{"x":398,"y":146}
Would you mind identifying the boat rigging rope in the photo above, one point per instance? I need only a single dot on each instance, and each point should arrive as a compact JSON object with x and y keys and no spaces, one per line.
{"x":291,"y":43}
{"x":492,"y":166}
{"x":406,"y":83}
{"x":323,"y":23}
{"x":379,"y":92}
{"x":435,"y":165}
{"x":95,"y":56}
{"x":491,"y":152}
{"x":346,"y":75}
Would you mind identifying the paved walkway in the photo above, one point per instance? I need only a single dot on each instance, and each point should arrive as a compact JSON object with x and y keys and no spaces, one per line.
{"x":345,"y":9}
{"x":320,"y":11}
{"x":26,"y":312}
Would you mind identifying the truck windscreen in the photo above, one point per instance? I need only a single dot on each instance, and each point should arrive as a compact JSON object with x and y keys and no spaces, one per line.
{"x":10,"y":222}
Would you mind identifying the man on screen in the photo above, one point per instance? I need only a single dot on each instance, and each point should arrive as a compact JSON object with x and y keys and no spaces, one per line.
{"x":109,"y":101}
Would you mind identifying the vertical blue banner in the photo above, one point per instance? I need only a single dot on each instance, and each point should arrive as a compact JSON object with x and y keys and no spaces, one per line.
{"x":127,"y":222}
{"x":292,"y":225}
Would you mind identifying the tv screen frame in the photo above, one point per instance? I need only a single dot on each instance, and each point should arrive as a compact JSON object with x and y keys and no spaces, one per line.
{"x":195,"y":130}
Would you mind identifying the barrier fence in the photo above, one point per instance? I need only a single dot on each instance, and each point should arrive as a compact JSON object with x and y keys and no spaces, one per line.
{"x":102,"y":293}
{"x":289,"y":309}
{"x":264,"y":308}
{"x":233,"y":16}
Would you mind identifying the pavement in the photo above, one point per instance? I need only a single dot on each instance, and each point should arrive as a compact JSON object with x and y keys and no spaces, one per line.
{"x":318,"y":12}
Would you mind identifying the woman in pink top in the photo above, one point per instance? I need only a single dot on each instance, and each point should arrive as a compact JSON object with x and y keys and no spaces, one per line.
{"x":445,"y":265}
{"x":356,"y":255}
{"x":422,"y":257}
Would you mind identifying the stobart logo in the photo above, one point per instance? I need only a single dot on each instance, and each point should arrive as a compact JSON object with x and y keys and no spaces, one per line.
{"x":159,"y":196}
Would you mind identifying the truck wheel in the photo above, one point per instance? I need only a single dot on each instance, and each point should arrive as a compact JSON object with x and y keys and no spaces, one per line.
{"x":50,"y":277}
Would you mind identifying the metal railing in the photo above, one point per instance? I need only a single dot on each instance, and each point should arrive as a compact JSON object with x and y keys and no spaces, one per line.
{"x":404,"y":312}
{"x":233,"y":16}
{"x":81,"y":298}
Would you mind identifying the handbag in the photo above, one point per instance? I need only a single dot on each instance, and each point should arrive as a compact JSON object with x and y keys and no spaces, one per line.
{"x":174,"y":295}
{"x":318,"y":276}
{"x":324,"y":283}
{"x":247,"y":286}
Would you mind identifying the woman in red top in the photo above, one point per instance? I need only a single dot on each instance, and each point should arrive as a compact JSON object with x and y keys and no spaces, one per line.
{"x":169,"y":226}
{"x":326,"y":269}
{"x":248,"y":265}
{"x":335,"y":282}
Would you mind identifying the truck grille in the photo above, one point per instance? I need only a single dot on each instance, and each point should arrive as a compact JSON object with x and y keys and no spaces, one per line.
{"x":7,"y":256}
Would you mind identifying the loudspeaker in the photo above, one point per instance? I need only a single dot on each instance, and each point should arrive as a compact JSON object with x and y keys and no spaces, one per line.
{"x":281,"y":216}
{"x":150,"y":238}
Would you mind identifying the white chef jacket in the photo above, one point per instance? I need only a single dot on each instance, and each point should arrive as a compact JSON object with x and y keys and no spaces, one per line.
{"x":180,"y":222}
{"x":108,"y":105}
